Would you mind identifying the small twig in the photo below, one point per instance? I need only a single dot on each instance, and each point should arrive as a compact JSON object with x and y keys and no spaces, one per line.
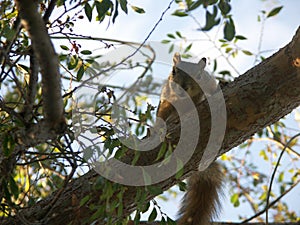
{"x":135,"y":51}
{"x":274,"y":172}
{"x":214,"y":43}
{"x":66,"y":181}
{"x":261,"y":34}
{"x":49,"y":10}
{"x":32,"y":86}
{"x":271,"y":204}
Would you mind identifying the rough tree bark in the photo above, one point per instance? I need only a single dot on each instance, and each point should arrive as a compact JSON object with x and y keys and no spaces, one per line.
{"x":258,"y":98}
{"x":48,"y":61}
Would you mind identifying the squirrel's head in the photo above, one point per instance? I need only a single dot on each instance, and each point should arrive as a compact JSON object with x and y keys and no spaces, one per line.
{"x":185,"y":74}
{"x":192,"y":69}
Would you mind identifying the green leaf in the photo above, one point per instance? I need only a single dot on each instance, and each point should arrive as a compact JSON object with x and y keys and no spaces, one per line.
{"x":152,"y":215}
{"x":263,"y":154}
{"x":165,"y":41}
{"x":229,"y":30}
{"x":116,"y":12}
{"x":235,"y":200}
{"x":179,"y":169}
{"x":195,"y":5}
{"x":60,"y":3}
{"x":163,"y":221}
{"x":123,"y":4}
{"x":247,"y":52}
{"x":186,"y":56}
{"x":182,"y":186}
{"x":224,"y":6}
{"x":98,"y":213}
{"x":119,"y":153}
{"x":240,"y":37}
{"x":229,"y":49}
{"x":171,"y":36}
{"x":140,"y":198}
{"x":136,"y":157}
{"x":274,"y":11}
{"x":137,"y":218}
{"x":179,"y":13}
{"x":88,"y":153}
{"x":90,"y":61}
{"x":138,"y":9}
{"x":281,"y":177}
{"x":64,"y":47}
{"x":178,"y":34}
{"x":147,"y":177}
{"x":146,"y":206}
{"x":263,"y":196}
{"x":262,"y":58}
{"x":102,"y":8}
{"x":211,"y":2}
{"x":62,"y":57}
{"x":13,"y":187}
{"x":211,"y":19}
{"x":282,"y":189}
{"x":80,"y":73}
{"x":225,"y":72}
{"x":162,"y":151}
{"x":73,"y":62}
{"x":120,"y":208}
{"x":188,"y":2}
{"x":88,"y":11}
{"x":188,"y":48}
{"x":154,"y":190}
{"x":84,"y":200}
{"x":86,"y":52}
{"x":171,"y":49}
{"x":8,"y":145}
{"x":215,"y":65}
{"x":8,"y":32}
{"x":170,"y":221}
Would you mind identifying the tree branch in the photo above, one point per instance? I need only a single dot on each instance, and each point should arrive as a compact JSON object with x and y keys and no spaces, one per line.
{"x":48,"y":61}
{"x":254,"y":100}
{"x":32,"y":87}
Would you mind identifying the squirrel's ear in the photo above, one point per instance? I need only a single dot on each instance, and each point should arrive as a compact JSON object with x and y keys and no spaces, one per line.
{"x":202,"y":63}
{"x":176,"y":58}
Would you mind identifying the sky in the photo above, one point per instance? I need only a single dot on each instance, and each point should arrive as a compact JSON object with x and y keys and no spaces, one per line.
{"x":278,"y":31}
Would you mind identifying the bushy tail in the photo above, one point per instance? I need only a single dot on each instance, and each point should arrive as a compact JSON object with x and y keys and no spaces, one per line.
{"x":202,"y":199}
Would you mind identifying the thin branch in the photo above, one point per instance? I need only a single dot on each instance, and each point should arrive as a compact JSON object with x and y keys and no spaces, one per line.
{"x":261,"y":34}
{"x":274,"y":172}
{"x":214,"y":43}
{"x":271,"y":204}
{"x":279,"y":144}
{"x":49,"y":10}
{"x":8,"y":45}
{"x":32,"y":87}
{"x":136,"y":50}
{"x":66,"y":182}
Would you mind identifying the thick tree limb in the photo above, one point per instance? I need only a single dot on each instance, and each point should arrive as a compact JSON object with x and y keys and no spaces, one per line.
{"x":256,"y":99}
{"x":47,"y":58}
{"x":230,"y":223}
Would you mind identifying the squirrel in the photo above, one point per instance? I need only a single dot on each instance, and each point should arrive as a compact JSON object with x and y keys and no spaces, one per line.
{"x":202,"y":200}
